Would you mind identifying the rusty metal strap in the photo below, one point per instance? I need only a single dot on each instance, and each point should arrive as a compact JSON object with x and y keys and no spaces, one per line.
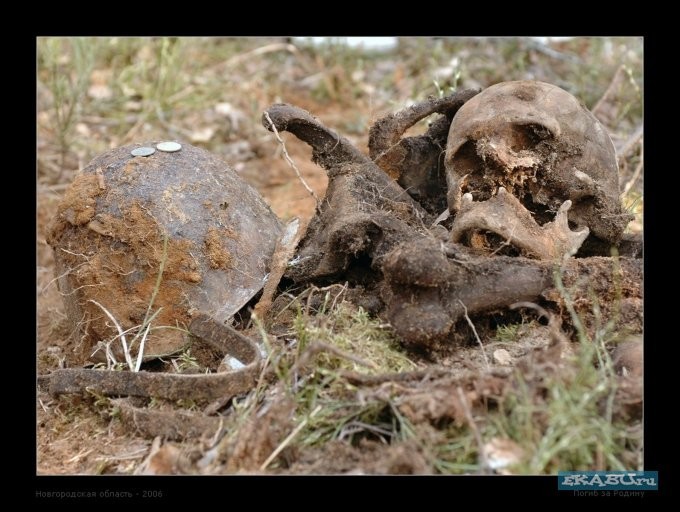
{"x":204,"y":387}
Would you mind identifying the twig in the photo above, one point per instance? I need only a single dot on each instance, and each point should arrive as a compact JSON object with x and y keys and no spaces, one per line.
{"x":126,"y":331}
{"x":474,"y":428}
{"x":74,"y":253}
{"x":149,"y":317}
{"x":44,"y":408}
{"x":636,"y":175}
{"x":358,"y":426}
{"x":551,"y":52}
{"x":147,"y":322}
{"x":82,"y":453}
{"x":553,"y":321}
{"x":132,"y":132}
{"x":615,"y":82}
{"x":632,"y":141}
{"x":107,"y":121}
{"x":234,"y":61}
{"x":58,"y":187}
{"x":342,"y":291}
{"x":486,"y":359}
{"x":318,"y":347}
{"x":262,"y":50}
{"x":290,"y":160}
{"x":42,"y":290}
{"x":140,"y":354}
{"x":128,"y":358}
{"x":569,"y":303}
{"x":374,"y":380}
{"x":212,"y":442}
{"x":111,"y":361}
{"x":128,"y":456}
{"x":285,"y":247}
{"x":289,"y":438}
{"x":506,"y":242}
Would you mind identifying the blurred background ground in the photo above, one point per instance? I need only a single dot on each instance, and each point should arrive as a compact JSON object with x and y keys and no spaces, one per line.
{"x":94,"y":94}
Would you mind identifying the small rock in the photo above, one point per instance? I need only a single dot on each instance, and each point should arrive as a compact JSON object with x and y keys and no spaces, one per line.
{"x":83,"y":130}
{"x":162,"y":460}
{"x":132,"y":106}
{"x":501,"y":453}
{"x":100,"y":92}
{"x":202,"y":134}
{"x":234,"y":115}
{"x":502,"y":357}
{"x":628,"y":358}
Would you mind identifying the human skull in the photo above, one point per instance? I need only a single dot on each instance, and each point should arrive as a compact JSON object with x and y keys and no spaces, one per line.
{"x":554,"y":159}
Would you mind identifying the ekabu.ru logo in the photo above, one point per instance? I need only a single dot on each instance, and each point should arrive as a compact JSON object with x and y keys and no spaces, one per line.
{"x":608,"y":480}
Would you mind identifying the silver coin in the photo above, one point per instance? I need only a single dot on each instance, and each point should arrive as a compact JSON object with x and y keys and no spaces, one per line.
{"x":143,"y":151}
{"x":168,"y":147}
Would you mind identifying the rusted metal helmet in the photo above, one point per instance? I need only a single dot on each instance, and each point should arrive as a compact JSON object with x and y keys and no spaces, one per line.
{"x":170,"y":235}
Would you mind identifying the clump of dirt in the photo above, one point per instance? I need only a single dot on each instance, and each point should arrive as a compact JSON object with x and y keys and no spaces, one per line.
{"x":442,"y":400}
{"x":78,"y":205}
{"x":628,"y":357}
{"x":264,"y":430}
{"x":218,"y":253}
{"x":166,"y":423}
{"x":76,"y":437}
{"x":99,"y":263}
{"x":603,"y":290}
{"x":367,"y":458}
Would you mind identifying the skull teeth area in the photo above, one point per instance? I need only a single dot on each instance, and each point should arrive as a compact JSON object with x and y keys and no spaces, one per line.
{"x":482,"y":224}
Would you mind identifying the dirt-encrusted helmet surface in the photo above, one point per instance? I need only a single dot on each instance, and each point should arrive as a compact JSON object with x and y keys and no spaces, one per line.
{"x":171,"y":234}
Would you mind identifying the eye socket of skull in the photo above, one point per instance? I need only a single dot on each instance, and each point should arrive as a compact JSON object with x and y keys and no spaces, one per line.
{"x":506,"y":157}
